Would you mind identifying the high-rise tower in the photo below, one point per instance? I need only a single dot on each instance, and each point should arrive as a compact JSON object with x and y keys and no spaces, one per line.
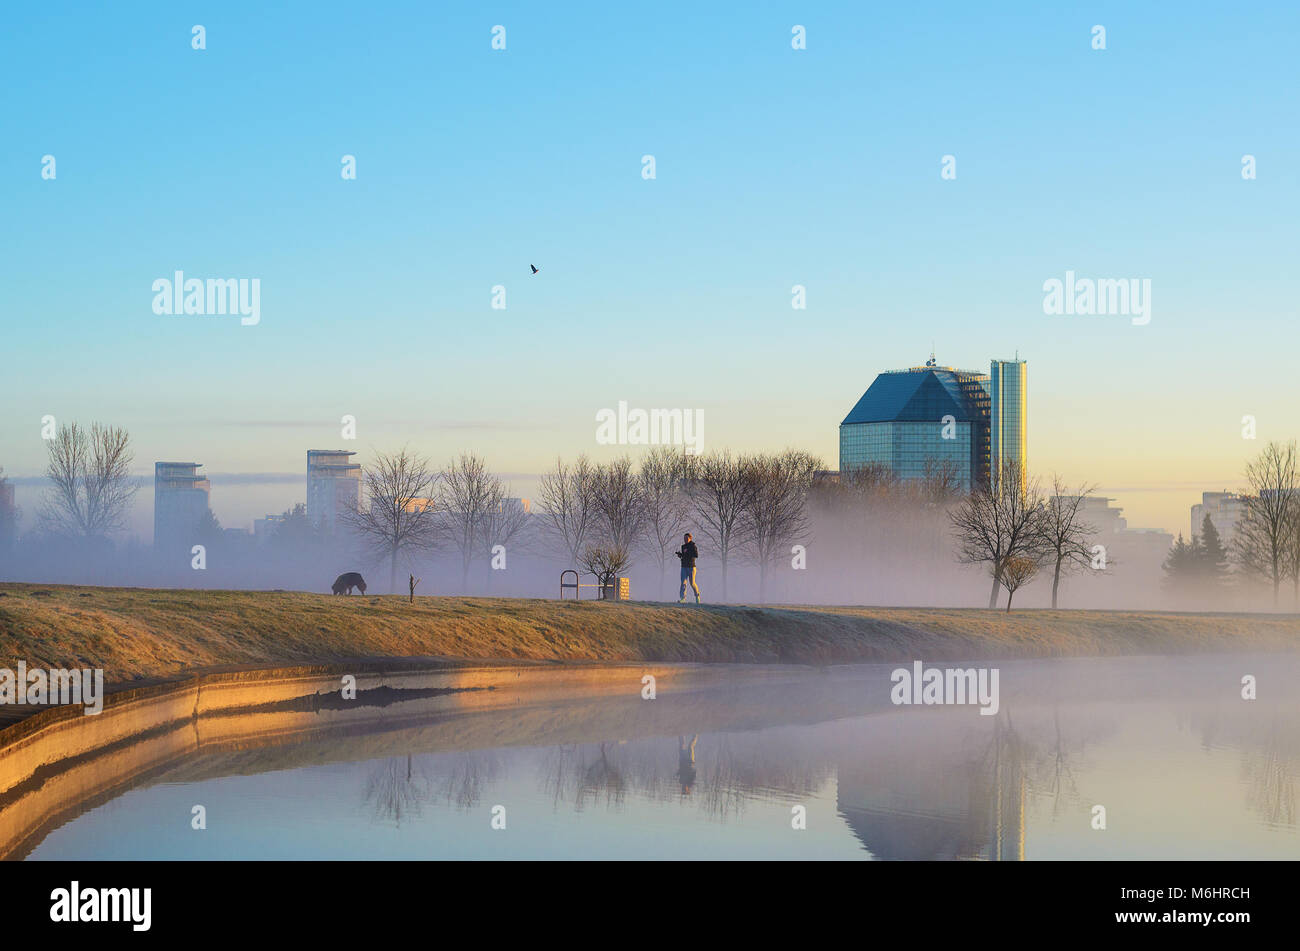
{"x":1008,"y":417}
{"x":333,"y":487}
{"x":180,"y":502}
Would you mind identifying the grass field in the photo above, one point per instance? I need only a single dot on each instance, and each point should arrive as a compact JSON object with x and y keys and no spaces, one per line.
{"x":135,"y":633}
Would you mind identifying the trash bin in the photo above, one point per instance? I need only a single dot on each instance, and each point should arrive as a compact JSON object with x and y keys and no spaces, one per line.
{"x":617,"y":590}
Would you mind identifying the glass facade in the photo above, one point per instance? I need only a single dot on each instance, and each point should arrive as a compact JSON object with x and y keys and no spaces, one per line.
{"x":1008,"y":415}
{"x":899,"y":423}
{"x":975,"y":387}
{"x":907,"y":447}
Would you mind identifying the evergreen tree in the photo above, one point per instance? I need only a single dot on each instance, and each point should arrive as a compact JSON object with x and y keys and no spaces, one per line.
{"x":295,"y":531}
{"x":1214,"y":557}
{"x":1184,"y":565}
{"x":209,"y":529}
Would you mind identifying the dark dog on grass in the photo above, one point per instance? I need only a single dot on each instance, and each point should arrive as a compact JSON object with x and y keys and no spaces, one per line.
{"x":344,"y":583}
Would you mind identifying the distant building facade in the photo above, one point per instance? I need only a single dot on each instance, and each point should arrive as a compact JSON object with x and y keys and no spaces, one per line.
{"x":1008,"y":417}
{"x":1136,"y":546}
{"x":911,"y":420}
{"x":1225,"y":509}
{"x":1140,"y":551}
{"x":333,"y":487}
{"x":264,"y":528}
{"x":1097,"y":512}
{"x":180,"y":502}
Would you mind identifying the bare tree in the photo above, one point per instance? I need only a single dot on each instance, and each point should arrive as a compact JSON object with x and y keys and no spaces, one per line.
{"x":993,"y":525}
{"x":859,"y":503}
{"x":1291,"y":560}
{"x":508,"y":525}
{"x":460,"y":779}
{"x":396,"y":790}
{"x":397,"y":516}
{"x":721,"y":490}
{"x":619,"y":506}
{"x":776,"y":513}
{"x":940,"y":483}
{"x":90,"y":472}
{"x":1065,"y":534}
{"x":869,"y":479}
{"x":567,"y":497}
{"x":1017,"y":571}
{"x":605,"y":562}
{"x":8,"y":514}
{"x":940,"y":488}
{"x":468,"y":497}
{"x":664,"y":503}
{"x":1261,"y":539}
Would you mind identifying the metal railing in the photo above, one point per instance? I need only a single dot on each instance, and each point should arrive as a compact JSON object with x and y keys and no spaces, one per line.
{"x":616,"y":590}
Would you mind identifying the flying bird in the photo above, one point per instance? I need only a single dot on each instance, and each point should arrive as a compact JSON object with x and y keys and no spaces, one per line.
{"x":534,"y":267}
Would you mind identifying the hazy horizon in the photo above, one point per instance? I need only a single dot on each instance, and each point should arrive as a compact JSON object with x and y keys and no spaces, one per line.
{"x":236,"y":498}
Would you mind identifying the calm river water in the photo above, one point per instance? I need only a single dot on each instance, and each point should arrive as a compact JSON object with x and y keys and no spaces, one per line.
{"x":1182,"y":765}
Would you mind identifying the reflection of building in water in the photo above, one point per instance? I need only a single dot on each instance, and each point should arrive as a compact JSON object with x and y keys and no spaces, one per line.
{"x":1004,"y":799}
{"x":927,"y":791}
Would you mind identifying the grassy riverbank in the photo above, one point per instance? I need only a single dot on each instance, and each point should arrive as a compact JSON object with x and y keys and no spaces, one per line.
{"x":135,"y":633}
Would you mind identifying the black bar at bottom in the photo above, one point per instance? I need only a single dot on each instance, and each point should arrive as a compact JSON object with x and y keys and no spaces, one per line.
{"x":495,"y":900}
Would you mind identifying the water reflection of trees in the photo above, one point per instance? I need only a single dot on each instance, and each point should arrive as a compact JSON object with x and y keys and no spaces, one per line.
{"x":716,"y":773}
{"x":562,"y":768}
{"x":585,"y":775}
{"x":719,"y":774}
{"x":1061,"y":782}
{"x":1270,"y":757}
{"x":1271,"y":773}
{"x":460,"y":779}
{"x":926,"y":787}
{"x":397,"y":788}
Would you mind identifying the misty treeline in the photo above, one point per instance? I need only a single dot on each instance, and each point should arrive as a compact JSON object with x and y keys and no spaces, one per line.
{"x":597,"y":517}
{"x":769,"y":525}
{"x":1017,"y":531}
{"x":86,"y":502}
{"x":912,"y":530}
{"x":9,"y":515}
{"x":1264,"y":550}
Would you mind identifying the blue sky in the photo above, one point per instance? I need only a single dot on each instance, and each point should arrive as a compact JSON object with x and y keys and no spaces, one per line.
{"x":774,"y":167}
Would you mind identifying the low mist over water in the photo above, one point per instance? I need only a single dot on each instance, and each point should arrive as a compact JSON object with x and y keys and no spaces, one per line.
{"x":815,"y":764}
